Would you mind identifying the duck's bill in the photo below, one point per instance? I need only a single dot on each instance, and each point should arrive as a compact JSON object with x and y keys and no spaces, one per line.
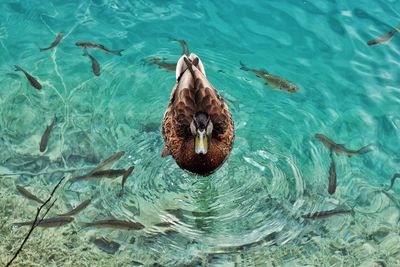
{"x":201,"y":143}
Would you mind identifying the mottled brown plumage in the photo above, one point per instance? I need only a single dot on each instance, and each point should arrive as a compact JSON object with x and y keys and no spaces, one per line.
{"x":191,"y":94}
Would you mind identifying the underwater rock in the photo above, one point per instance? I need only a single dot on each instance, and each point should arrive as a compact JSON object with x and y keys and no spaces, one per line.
{"x":369,"y":263}
{"x":391,"y":215}
{"x":391,"y":244}
{"x":368,"y":248}
{"x":136,"y":263}
{"x":335,"y":260}
{"x":151,"y":127}
{"x":380,"y":234}
{"x":108,"y":246}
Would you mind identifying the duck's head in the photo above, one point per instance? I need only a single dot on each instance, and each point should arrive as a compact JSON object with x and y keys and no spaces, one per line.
{"x":201,"y":128}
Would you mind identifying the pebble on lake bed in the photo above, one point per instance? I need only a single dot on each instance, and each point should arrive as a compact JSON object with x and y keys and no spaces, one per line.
{"x":106,"y":245}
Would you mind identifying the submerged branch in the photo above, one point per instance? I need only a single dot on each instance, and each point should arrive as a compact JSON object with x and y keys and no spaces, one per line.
{"x":37,"y":221}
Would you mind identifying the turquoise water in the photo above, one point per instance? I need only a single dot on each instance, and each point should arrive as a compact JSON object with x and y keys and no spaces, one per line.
{"x":249,"y":212}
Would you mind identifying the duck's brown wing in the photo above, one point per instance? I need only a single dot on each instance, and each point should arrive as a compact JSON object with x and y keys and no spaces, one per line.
{"x":183,"y":107}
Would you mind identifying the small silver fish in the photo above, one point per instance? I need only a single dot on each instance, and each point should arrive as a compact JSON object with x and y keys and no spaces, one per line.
{"x":45,"y":136}
{"x":101,"y":166}
{"x":112,"y":173}
{"x":95,"y":63}
{"x":385,"y":37}
{"x":340,"y":148}
{"x":164,"y":224}
{"x":79,"y":208}
{"x":151,"y":127}
{"x":163,"y":65}
{"x":99,"y":47}
{"x":127,"y":173}
{"x":32,"y":80}
{"x":272,"y":80}
{"x":51,"y":222}
{"x":54,"y":43}
{"x":109,"y":161}
{"x":396,"y":175}
{"x":28,"y":194}
{"x":117,"y":224}
{"x":332,"y":176}
{"x":95,"y":66}
{"x":183,"y":44}
{"x":326,"y":214}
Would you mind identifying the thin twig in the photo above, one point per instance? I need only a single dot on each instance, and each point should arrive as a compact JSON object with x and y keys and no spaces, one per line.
{"x":35,"y":221}
{"x":47,"y":211}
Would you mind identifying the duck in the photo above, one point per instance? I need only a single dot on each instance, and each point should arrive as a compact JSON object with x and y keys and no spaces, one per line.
{"x":197,"y":128}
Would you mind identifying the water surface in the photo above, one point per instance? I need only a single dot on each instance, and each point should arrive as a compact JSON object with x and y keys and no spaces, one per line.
{"x":249,"y":212}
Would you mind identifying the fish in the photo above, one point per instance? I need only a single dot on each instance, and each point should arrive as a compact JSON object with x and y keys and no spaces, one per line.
{"x":32,"y":80}
{"x":183,"y":44}
{"x":332,"y":176}
{"x":396,"y":175}
{"x":385,"y":37}
{"x":163,"y":224}
{"x":151,"y":127}
{"x":95,"y":63}
{"x":99,"y":47}
{"x":116,"y":156}
{"x":340,"y":148}
{"x":55,"y":42}
{"x":326,"y":214}
{"x":112,"y":173}
{"x":126,"y":175}
{"x":108,"y":246}
{"x":163,"y":65}
{"x":178,"y":212}
{"x":117,"y":224}
{"x":79,"y":208}
{"x":51,"y":222}
{"x":46,"y":134}
{"x":28,"y":194}
{"x":272,"y":80}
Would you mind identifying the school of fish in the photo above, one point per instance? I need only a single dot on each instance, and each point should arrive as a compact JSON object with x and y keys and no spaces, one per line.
{"x":101,"y":171}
